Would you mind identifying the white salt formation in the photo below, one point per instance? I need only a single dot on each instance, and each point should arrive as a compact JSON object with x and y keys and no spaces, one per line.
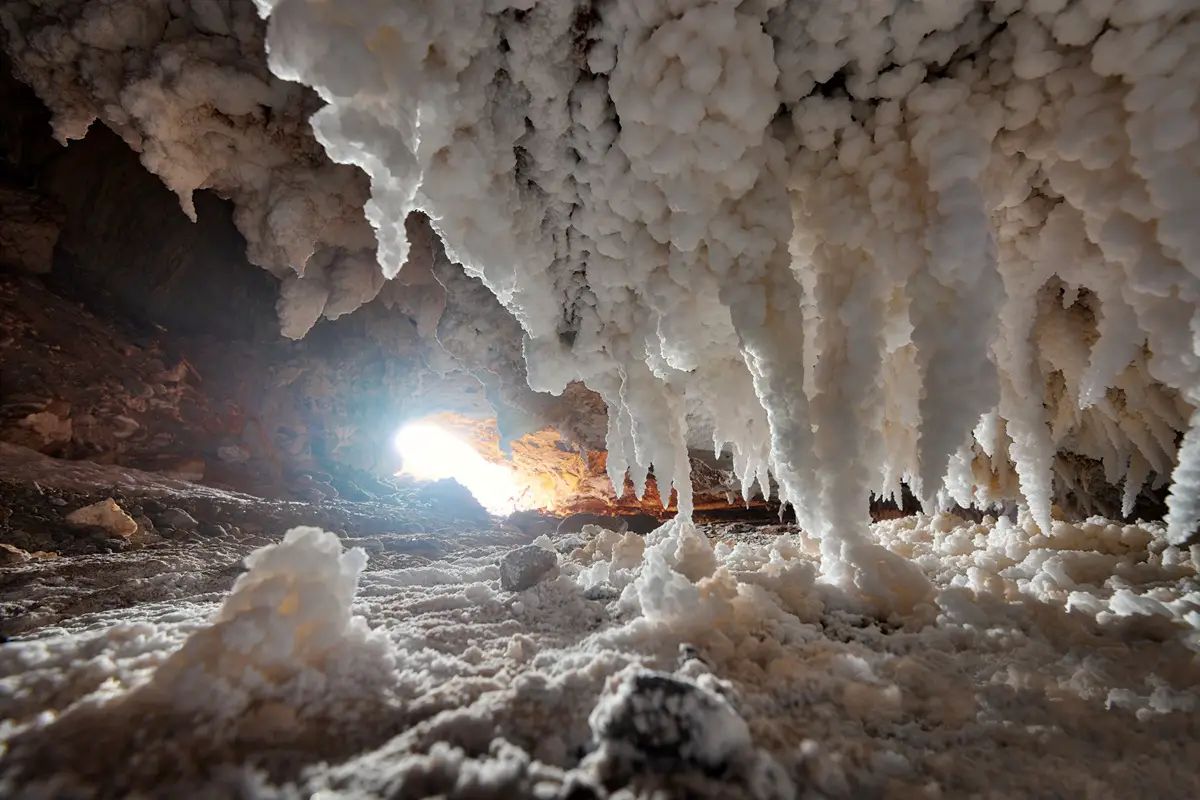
{"x":284,"y":651}
{"x":285,"y":627}
{"x":1060,"y":664}
{"x":184,"y":83}
{"x":860,"y":242}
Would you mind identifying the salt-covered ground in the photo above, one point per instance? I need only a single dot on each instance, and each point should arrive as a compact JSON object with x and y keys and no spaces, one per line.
{"x":693,"y":662}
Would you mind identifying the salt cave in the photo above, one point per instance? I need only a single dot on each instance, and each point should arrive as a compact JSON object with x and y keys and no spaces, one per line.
{"x":844,"y":355}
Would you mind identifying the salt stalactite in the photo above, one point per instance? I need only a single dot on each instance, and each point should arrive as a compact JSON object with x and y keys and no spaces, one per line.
{"x":1185,"y":493}
{"x":956,"y":291}
{"x":860,"y":244}
{"x":739,"y":422}
{"x":185,"y":85}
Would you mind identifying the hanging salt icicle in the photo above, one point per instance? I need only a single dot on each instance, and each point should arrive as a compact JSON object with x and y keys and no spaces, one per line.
{"x":1183,"y":503}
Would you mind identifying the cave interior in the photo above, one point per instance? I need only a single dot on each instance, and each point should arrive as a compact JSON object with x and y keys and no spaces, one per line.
{"x":205,"y":490}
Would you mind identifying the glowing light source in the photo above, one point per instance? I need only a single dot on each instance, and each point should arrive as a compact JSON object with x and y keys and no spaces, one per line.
{"x":433,"y":453}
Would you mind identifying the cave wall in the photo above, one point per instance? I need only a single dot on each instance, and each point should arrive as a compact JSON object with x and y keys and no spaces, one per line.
{"x":134,"y":335}
{"x":25,"y":141}
{"x":30,"y":221}
{"x":126,"y":240}
{"x":113,"y":236}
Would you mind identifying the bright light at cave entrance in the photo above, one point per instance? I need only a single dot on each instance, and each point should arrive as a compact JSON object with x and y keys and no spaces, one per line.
{"x":432,"y":453}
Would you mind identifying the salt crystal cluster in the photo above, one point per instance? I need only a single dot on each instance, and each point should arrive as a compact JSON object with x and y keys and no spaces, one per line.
{"x":285,"y":633}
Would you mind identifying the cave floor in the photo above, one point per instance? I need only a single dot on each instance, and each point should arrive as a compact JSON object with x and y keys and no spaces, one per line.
{"x":1058,"y":666}
{"x":211,"y":536}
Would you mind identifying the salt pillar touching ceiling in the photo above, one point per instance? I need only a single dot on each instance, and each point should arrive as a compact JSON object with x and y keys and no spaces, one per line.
{"x":857,"y":243}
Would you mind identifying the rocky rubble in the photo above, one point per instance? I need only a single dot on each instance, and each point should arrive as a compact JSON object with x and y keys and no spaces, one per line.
{"x":74,"y":386}
{"x":68,"y":511}
{"x":278,"y":419}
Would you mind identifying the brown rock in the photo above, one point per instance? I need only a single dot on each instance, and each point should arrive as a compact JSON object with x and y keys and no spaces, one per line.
{"x":642,"y":523}
{"x":576,"y":522}
{"x":105,"y":515}
{"x":47,"y":428}
{"x":185,"y":469}
{"x":29,"y":229}
{"x":11,"y":555}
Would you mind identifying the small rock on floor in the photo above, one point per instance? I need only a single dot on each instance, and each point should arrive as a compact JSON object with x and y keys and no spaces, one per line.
{"x":10,"y":555}
{"x":176,"y":518}
{"x":576,"y":523}
{"x":662,"y":718}
{"x":106,"y":516}
{"x":524,"y":567}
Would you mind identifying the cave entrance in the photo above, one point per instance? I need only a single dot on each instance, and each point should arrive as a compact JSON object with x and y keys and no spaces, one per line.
{"x":538,"y":471}
{"x":441,"y":447}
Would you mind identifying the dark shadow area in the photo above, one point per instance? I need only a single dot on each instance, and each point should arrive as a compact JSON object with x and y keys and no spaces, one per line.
{"x":128,"y":248}
{"x":101,"y":230}
{"x":26,"y":140}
